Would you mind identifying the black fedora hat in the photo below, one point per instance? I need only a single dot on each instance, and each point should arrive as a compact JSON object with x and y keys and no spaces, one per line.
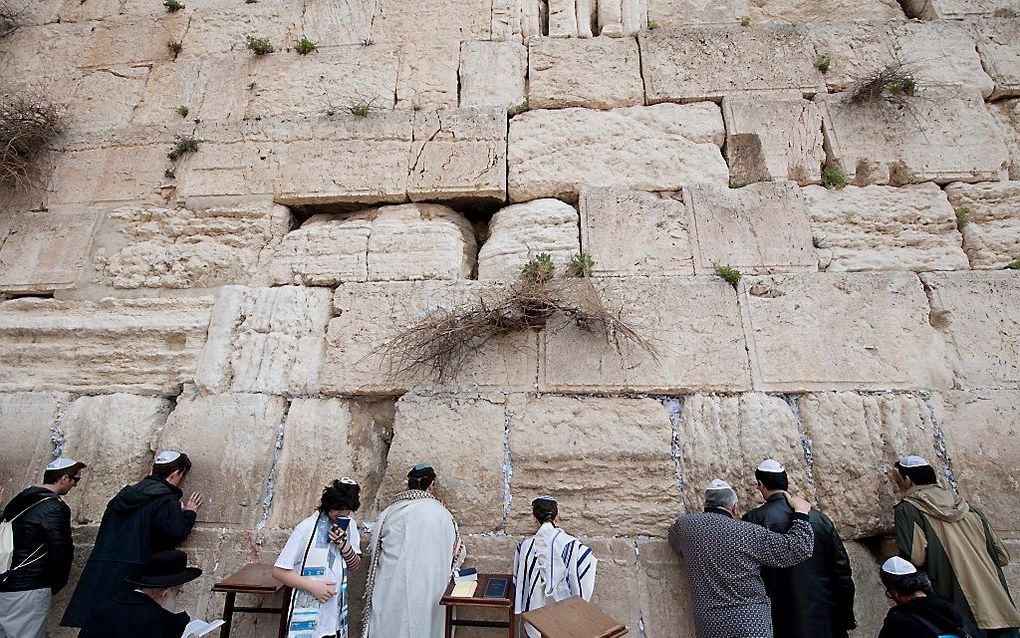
{"x":165,"y":569}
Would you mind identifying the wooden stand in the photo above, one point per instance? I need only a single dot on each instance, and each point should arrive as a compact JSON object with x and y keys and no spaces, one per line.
{"x":573,"y":618}
{"x":256,"y":578}
{"x":478,"y":602}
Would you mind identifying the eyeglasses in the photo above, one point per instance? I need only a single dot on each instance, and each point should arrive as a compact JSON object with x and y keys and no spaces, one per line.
{"x":76,"y":479}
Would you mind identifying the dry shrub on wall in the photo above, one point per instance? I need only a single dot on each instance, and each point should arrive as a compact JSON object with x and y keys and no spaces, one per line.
{"x":29,"y":122}
{"x":893,"y":83}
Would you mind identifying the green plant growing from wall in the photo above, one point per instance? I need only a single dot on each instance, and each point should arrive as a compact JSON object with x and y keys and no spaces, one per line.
{"x":833,"y":177}
{"x":304,"y":46}
{"x":259,"y":46}
{"x":175,"y":47}
{"x":653,"y":25}
{"x":582,"y":265}
{"x":729,"y":275}
{"x":1013,"y":265}
{"x":173,"y":6}
{"x":745,"y":21}
{"x":962,"y":217}
{"x":822,"y":62}
{"x":184,"y":146}
{"x":251,"y":1}
{"x":539,"y":269}
{"x":360,"y":109}
{"x":523,"y":107}
{"x":734,"y":183}
{"x":183,"y":110}
{"x":170,"y":173}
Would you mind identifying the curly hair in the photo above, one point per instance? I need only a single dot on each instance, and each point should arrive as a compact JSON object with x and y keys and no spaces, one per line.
{"x":340,"y":496}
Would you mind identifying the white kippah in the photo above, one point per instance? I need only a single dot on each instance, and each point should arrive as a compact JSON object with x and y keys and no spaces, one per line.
{"x":718,"y":484}
{"x":898,"y":567}
{"x":545,"y":497}
{"x":61,"y":463}
{"x":771,"y":465}
{"x":167,"y":456}
{"x":913,"y":461}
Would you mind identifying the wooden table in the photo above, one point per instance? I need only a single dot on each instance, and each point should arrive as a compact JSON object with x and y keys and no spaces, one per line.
{"x":256,"y":578}
{"x":478,"y":602}
{"x":573,"y":618}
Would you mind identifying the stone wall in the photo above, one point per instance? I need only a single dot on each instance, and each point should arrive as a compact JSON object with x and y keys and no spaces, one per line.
{"x":235,"y":302}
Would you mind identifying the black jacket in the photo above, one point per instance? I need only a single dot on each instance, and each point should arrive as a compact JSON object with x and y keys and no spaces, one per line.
{"x":904,"y":621}
{"x":814,"y":599}
{"x":47,"y":524}
{"x":139,"y":521}
{"x":132,"y":614}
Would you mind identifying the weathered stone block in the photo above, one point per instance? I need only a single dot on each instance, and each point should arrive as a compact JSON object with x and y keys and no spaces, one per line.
{"x":106,"y":98}
{"x":462,"y":437}
{"x":370,"y":315}
{"x":616,"y":582}
{"x":27,"y":425}
{"x":556,"y":441}
{"x":884,"y":228}
{"x":131,"y":41}
{"x":935,"y":9}
{"x":458,"y":154}
{"x":855,"y":439}
{"x":870,"y":603}
{"x":115,"y":435}
{"x":456,"y":20}
{"x":997,"y":45}
{"x":681,"y":13}
{"x":1006,"y":115}
{"x":265,"y":340}
{"x":789,"y":134}
{"x":227,"y":436}
{"x":991,"y":226}
{"x":492,"y":74}
{"x":842,"y":331}
{"x":662,"y":223}
{"x":599,"y":73}
{"x":919,"y":143}
{"x":666,"y":607}
{"x":113,"y":345}
{"x":519,"y":232}
{"x":692,"y":323}
{"x":212,"y":88}
{"x":221,"y":29}
{"x":976,"y":314}
{"x":758,"y":228}
{"x":569,"y":19}
{"x":728,"y":436}
{"x":709,"y":62}
{"x":427,"y":77}
{"x":659,"y":148}
{"x":50,"y":49}
{"x":329,"y":23}
{"x":44,"y":251}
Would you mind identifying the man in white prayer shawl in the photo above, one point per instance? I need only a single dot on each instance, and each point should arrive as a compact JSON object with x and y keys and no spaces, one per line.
{"x":550,"y":566}
{"x":415,"y":549}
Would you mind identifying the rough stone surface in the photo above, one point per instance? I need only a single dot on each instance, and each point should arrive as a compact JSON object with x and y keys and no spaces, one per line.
{"x":427,"y":77}
{"x":758,"y":228}
{"x":493,"y":74}
{"x":1006,"y":115}
{"x":709,"y":62}
{"x":935,"y":9}
{"x":789,"y":138}
{"x":106,"y":98}
{"x":884,"y":228}
{"x":554,"y":443}
{"x":227,"y":436}
{"x":919,"y":143}
{"x":991,"y":232}
{"x":265,"y":340}
{"x":870,"y":603}
{"x":616,"y":583}
{"x":222,"y":29}
{"x":44,"y":251}
{"x":607,"y":214}
{"x":601,"y":73}
{"x":459,"y":153}
{"x":976,"y":313}
{"x":996,"y":44}
{"x":27,"y":420}
{"x":662,"y":147}
{"x":112,"y":345}
{"x":666,"y":607}
{"x":679,"y":13}
{"x":131,"y":41}
{"x":212,"y":88}
{"x":842,"y":331}
{"x":457,"y":20}
{"x":697,"y":344}
{"x":855,"y":439}
{"x":519,"y":232}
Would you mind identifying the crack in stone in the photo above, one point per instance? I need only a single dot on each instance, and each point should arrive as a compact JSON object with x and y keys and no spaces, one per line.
{"x":271,"y":477}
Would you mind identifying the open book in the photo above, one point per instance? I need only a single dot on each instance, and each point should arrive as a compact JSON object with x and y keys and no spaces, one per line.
{"x":200,"y":628}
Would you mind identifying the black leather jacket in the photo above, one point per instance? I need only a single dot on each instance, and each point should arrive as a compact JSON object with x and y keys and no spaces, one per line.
{"x":47,"y":525}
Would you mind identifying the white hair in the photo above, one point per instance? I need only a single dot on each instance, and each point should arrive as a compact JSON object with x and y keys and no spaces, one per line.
{"x":721,"y":498}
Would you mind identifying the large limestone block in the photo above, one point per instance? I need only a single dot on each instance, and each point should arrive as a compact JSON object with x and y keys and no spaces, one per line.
{"x":680,"y":13}
{"x":427,"y":77}
{"x":410,"y":241}
{"x":323,"y":440}
{"x":884,"y":228}
{"x":115,"y":435}
{"x":661,"y":223}
{"x":976,"y":313}
{"x":44,"y":251}
{"x":842,"y":331}
{"x":220,"y":29}
{"x":449,"y":20}
{"x":28,"y":428}
{"x":492,"y":74}
{"x":935,"y":9}
{"x":855,"y":439}
{"x":213,"y":88}
{"x":709,"y":62}
{"x":918,"y":143}
{"x":980,"y":429}
{"x":758,"y":228}
{"x":598,"y":73}
{"x":616,"y":582}
{"x":728,"y":436}
{"x":146,"y":346}
{"x":228,"y":436}
{"x":991,"y":231}
{"x":666,"y":607}
{"x":997,"y":45}
{"x":576,"y":449}
{"x":1006,"y":114}
{"x":106,"y":98}
{"x":458,"y":154}
{"x":49,"y":49}
{"x":870,"y":602}
{"x":692,"y":323}
{"x":132,"y":41}
{"x":329,"y":23}
{"x":368,"y":316}
{"x":653,"y":148}
{"x":569,"y":19}
{"x":519,"y":232}
{"x":462,"y":437}
{"x":773,"y":138}
{"x":936,"y":54}
{"x":265,"y":340}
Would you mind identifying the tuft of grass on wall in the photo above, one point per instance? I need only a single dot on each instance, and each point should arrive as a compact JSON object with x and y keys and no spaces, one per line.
{"x":729,"y":275}
{"x":304,"y":46}
{"x":833,"y":178}
{"x":259,"y":46}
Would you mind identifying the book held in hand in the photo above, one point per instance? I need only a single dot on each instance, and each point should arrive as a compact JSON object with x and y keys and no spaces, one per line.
{"x":200,"y":628}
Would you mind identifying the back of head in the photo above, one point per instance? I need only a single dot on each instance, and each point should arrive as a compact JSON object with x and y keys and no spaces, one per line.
{"x":906,"y":585}
{"x":169,"y":462}
{"x":341,"y":494}
{"x":545,"y":509}
{"x":420,"y":477}
{"x":773,"y":481}
{"x":720,"y":495}
{"x":918,"y":474}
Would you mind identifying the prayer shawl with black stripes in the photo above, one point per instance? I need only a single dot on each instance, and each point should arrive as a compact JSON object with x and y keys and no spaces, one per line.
{"x":549,"y":567}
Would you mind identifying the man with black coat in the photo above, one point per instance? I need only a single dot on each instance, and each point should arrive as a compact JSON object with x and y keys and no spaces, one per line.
{"x":146,"y":608}
{"x":43,"y":550}
{"x":918,"y":613}
{"x":814,"y":599}
{"x":141,"y":520}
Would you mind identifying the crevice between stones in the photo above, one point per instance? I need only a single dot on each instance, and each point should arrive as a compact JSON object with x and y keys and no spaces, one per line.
{"x":267,"y":501}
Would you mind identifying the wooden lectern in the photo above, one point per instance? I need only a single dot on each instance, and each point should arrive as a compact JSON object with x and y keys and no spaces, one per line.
{"x":573,"y":618}
{"x":256,"y":578}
